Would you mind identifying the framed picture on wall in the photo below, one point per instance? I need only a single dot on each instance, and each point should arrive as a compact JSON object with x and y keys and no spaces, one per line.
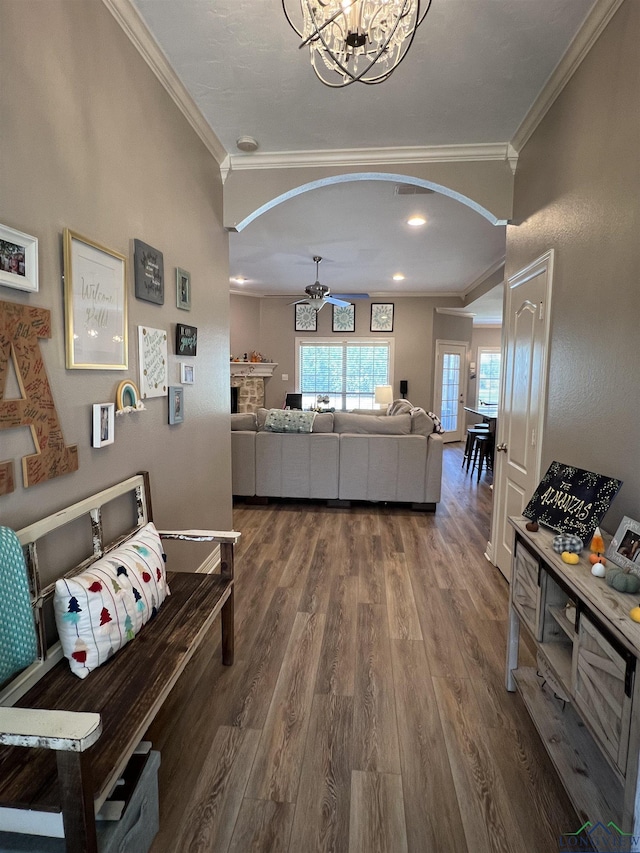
{"x":148,"y":266}
{"x":306,"y":318}
{"x":343,"y":318}
{"x":95,"y":305}
{"x":176,"y":404}
{"x":18,"y":260}
{"x":381,"y":317}
{"x":183,"y":289}
{"x":103,"y":424}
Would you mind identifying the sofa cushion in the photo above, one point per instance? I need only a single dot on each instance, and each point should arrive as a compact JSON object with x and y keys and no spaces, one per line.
{"x":323,"y":422}
{"x":99,"y":611}
{"x":244,"y":421}
{"x":372,"y":424}
{"x":421,"y":423}
{"x":400,"y":407}
{"x":289,"y":420}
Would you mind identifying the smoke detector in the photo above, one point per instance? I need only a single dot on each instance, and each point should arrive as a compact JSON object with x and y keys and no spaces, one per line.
{"x":247,"y":143}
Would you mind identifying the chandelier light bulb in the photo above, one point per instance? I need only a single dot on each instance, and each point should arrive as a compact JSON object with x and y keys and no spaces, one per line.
{"x":355,"y":40}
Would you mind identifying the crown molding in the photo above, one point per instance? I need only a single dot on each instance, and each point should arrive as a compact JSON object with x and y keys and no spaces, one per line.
{"x":372,"y":156}
{"x":483,"y":277}
{"x":455,"y":312}
{"x":595,"y":22}
{"x":138,"y":34}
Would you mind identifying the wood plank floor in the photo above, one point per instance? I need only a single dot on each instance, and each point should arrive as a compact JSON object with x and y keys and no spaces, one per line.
{"x":366,"y":711}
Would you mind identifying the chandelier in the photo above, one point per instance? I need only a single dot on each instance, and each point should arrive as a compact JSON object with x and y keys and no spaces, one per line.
{"x":355,"y":40}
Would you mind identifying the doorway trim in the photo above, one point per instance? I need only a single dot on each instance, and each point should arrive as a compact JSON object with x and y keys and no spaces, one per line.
{"x":535,"y":268}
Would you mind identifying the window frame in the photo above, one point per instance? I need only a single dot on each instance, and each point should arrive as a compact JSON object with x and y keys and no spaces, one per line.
{"x":489,"y":350}
{"x":345,"y":342}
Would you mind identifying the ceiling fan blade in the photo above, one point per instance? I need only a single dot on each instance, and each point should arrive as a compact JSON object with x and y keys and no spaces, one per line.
{"x":352,"y":295}
{"x":299,"y":302}
{"x":335,"y":301}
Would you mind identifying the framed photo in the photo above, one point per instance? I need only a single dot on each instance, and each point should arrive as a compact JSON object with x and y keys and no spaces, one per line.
{"x":183,"y":289}
{"x":306,"y":318}
{"x":186,"y":339}
{"x":95,"y":305}
{"x":103,"y":424}
{"x":381,"y":317}
{"x":343,"y":318}
{"x":176,"y":404}
{"x":152,"y":354}
{"x":18,"y":260}
{"x":148,"y":266}
{"x":187,"y":373}
{"x":624,"y":548}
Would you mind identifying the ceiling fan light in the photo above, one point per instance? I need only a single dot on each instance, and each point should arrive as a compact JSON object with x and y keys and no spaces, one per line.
{"x":355,"y":40}
{"x":416,"y":221}
{"x":398,"y":276}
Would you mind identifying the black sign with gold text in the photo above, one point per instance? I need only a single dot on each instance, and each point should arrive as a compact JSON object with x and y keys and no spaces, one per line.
{"x":572,"y":500}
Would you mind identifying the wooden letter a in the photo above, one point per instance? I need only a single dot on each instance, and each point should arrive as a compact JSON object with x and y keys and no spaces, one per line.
{"x":20,"y":328}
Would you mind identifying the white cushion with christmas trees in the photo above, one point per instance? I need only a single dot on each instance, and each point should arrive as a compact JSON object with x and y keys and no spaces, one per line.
{"x":100,"y":610}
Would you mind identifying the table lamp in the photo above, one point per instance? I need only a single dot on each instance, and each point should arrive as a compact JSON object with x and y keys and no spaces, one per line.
{"x":383,"y":395}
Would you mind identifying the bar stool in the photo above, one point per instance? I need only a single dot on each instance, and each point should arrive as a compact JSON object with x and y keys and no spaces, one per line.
{"x":472,"y":432}
{"x":483,"y":453}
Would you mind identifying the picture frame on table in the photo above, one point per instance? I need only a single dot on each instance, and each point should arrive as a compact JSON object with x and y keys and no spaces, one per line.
{"x":18,"y":260}
{"x":95,"y":305}
{"x":624,"y":548}
{"x":343,"y":318}
{"x":176,"y":404}
{"x":187,"y":373}
{"x":183,"y":289}
{"x":381,"y":317}
{"x":306,"y":318}
{"x":103,"y":424}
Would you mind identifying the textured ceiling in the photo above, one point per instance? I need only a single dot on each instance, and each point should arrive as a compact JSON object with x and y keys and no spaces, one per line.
{"x":471,"y":76}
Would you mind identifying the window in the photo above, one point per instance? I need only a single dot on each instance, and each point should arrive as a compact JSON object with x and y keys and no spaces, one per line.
{"x":488,"y":376}
{"x":344,"y":371}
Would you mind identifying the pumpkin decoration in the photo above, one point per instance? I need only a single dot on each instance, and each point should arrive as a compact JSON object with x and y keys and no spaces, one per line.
{"x":635,"y":614}
{"x":598,"y":570}
{"x":596,"y":558}
{"x":532,"y":526}
{"x":570,"y":557}
{"x":622,"y":581}
{"x":567,"y":542}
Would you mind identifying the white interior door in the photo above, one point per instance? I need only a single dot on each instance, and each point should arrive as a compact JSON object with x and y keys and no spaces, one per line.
{"x":450,"y":385}
{"x":522,"y":402}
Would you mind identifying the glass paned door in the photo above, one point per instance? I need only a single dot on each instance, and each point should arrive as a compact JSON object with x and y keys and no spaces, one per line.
{"x":451,"y":360}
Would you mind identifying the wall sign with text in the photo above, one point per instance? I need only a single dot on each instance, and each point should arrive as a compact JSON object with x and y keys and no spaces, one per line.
{"x":148,"y":266}
{"x":186,"y":339}
{"x":572,"y":500}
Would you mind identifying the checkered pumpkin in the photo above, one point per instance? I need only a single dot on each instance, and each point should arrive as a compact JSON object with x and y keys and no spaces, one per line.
{"x":567,"y":542}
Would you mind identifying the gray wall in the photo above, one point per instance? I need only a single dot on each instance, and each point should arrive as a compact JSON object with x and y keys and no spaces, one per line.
{"x":577,"y":190}
{"x":413,"y":333}
{"x":91,"y":141}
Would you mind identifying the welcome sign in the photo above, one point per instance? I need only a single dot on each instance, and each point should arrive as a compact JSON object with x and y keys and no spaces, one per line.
{"x":572,"y":500}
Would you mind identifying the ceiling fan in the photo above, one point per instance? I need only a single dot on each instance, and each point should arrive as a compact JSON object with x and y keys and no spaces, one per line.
{"x":318,"y":294}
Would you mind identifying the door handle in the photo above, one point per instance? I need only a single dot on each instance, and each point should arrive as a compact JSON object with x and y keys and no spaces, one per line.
{"x":501,"y":448}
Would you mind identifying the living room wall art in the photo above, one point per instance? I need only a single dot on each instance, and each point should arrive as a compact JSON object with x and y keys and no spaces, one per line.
{"x":148,"y":265}
{"x":381,"y":317}
{"x":95,"y":302}
{"x":183,"y":289}
{"x":343,"y":318}
{"x":103,"y":424}
{"x":18,"y":260}
{"x":152,"y":354}
{"x":176,"y":404}
{"x":186,"y":339}
{"x":306,"y":318}
{"x":21,"y":327}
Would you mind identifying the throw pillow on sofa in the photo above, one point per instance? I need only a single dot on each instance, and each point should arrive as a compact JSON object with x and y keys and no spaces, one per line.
{"x":289,"y":420}
{"x":98,"y":611}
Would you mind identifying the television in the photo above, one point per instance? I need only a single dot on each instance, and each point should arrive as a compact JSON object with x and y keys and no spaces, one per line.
{"x":293,"y":401}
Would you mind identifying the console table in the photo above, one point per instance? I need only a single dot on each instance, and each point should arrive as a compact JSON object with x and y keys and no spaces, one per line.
{"x":587,"y":651}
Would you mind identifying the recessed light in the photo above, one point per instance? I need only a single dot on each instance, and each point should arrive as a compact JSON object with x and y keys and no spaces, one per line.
{"x":398,"y":277}
{"x":247,"y":143}
{"x":416,"y":221}
{"x":239,"y":279}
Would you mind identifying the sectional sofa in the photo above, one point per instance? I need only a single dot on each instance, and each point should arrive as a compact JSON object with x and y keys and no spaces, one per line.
{"x":346,"y":456}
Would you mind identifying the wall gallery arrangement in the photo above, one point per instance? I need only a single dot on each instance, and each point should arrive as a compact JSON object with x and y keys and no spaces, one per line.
{"x":96,"y":306}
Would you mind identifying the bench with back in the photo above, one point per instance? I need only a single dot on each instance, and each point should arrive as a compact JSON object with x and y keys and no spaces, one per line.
{"x":80,"y":734}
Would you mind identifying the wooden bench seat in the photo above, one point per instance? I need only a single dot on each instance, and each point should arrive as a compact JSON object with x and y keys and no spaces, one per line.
{"x":127,"y":692}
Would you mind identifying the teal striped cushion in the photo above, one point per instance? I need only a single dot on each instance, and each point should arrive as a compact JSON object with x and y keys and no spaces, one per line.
{"x":18,"y":646}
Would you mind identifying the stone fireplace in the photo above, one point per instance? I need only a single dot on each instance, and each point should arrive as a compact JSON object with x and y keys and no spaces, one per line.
{"x":248,"y":378}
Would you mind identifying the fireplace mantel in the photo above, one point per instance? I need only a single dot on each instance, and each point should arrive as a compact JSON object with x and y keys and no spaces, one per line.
{"x":252,"y":368}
